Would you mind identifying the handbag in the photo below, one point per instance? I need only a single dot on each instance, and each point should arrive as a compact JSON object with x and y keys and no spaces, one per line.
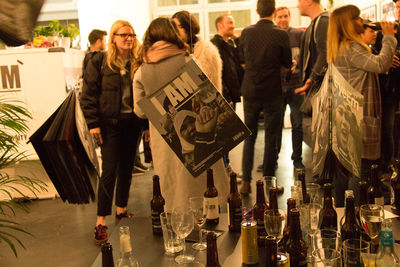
{"x":17,"y":20}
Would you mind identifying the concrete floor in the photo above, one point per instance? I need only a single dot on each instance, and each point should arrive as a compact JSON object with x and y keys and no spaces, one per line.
{"x":62,"y":234}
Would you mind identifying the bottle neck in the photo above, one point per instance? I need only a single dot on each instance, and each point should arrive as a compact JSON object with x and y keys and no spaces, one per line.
{"x":374,"y":178}
{"x":210,"y":178}
{"x":289,"y":217}
{"x":350,"y":211}
{"x":328,"y":198}
{"x":156,"y":188}
{"x":260,"y":199}
{"x":295,"y":230}
{"x":271,"y":251}
{"x":234,"y":188}
{"x":363,"y":195}
{"x":273,"y":200}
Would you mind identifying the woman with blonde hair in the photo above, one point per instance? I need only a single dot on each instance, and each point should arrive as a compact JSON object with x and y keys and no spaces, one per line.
{"x":163,"y":53}
{"x":107,"y":103}
{"x":354,"y":60}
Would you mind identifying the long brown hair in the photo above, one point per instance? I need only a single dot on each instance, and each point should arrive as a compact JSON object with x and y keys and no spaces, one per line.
{"x":190,"y":25}
{"x":161,"y":29}
{"x":112,"y":56}
{"x":341,"y":32}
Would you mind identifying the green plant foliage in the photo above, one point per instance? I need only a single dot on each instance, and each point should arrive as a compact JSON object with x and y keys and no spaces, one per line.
{"x":72,"y":31}
{"x":13,"y":116}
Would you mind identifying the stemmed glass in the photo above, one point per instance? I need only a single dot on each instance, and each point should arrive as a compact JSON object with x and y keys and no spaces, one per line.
{"x":274,"y":223}
{"x":371,"y":216}
{"x":182,"y":223}
{"x":197,"y":206}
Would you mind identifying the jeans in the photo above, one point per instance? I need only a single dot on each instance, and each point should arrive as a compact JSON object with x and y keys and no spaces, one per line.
{"x":117,"y":152}
{"x":296,"y":118}
{"x":272,"y":120}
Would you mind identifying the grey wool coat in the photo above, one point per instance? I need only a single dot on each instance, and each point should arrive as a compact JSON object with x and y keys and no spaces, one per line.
{"x":360,"y":68}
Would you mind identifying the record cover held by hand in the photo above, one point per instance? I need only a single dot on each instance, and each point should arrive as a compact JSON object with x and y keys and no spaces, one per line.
{"x":67,"y":152}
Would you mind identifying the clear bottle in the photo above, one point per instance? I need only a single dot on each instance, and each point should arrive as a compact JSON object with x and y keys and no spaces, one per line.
{"x":126,"y":258}
{"x":386,"y":256}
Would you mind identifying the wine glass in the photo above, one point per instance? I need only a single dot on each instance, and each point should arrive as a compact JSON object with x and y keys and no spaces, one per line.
{"x":371,"y":216}
{"x":328,"y":257}
{"x":274,"y":223}
{"x":328,"y":239}
{"x":197,"y":206}
{"x":182,"y":221}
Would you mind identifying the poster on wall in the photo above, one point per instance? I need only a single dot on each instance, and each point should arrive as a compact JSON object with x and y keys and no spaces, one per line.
{"x":369,"y":13}
{"x":387,"y":11}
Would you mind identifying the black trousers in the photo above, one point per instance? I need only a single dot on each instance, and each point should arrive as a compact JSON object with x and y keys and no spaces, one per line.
{"x":118,"y":153}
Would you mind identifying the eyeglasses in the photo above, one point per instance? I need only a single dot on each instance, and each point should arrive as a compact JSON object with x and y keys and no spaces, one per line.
{"x":125,"y":35}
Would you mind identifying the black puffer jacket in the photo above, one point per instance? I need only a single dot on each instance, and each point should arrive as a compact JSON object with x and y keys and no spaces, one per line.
{"x":232,"y":71}
{"x":101,"y":92}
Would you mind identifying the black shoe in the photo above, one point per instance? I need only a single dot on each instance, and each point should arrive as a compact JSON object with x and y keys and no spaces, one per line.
{"x":141,"y":167}
{"x":298,"y":165}
{"x":136,"y":171}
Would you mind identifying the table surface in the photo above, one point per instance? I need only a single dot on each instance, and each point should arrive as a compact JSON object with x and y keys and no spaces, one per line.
{"x":148,"y":249}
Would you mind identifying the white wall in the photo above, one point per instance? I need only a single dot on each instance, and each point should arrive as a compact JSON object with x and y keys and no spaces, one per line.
{"x":101,"y":14}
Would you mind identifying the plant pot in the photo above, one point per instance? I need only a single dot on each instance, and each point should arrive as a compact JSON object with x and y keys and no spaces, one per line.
{"x":65,"y":42}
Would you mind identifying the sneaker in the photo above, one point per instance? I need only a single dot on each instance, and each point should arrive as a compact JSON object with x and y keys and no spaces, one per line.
{"x":141,"y":167}
{"x":100,"y":234}
{"x":298,"y":165}
{"x":136,"y":171}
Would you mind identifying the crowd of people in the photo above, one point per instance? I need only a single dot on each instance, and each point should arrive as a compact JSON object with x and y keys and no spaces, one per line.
{"x":269,"y":66}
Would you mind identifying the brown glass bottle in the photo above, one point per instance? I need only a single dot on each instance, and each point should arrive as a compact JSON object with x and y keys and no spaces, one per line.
{"x":395,"y":183}
{"x":375,"y":193}
{"x":273,"y":198}
{"x":212,"y":251}
{"x":296,"y":248}
{"x":211,"y":200}
{"x":301,"y":175}
{"x":350,"y":229}
{"x":234,"y":206}
{"x":107,"y":259}
{"x":258,"y":212}
{"x":271,"y":251}
{"x":157,"y":206}
{"x":328,"y":215}
{"x":291,"y":204}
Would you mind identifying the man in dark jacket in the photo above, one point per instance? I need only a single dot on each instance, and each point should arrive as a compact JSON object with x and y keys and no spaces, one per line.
{"x":266,"y":49}
{"x":232,"y":71}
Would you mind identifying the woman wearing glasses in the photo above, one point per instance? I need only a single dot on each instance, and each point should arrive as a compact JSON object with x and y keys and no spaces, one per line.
{"x":107,"y":103}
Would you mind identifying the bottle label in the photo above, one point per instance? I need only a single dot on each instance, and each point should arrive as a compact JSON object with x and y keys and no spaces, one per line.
{"x":211,"y":207}
{"x":260,"y":228}
{"x":234,"y":215}
{"x":386,"y":238}
{"x":379,"y":201}
{"x":155,"y":220}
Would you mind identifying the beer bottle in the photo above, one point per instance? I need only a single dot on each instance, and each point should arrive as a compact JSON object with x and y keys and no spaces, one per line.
{"x":350,"y":229}
{"x":258,"y":212}
{"x":328,"y":215}
{"x":271,"y":251}
{"x":157,"y":206}
{"x":107,"y":259}
{"x":234,"y":206}
{"x":291,"y":204}
{"x":386,"y":255}
{"x":296,"y":248}
{"x":302,"y":177}
{"x":212,"y":251}
{"x":375,"y":193}
{"x":395,"y":183}
{"x":211,"y":200}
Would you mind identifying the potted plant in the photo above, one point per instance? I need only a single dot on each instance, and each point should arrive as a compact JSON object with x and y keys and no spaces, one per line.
{"x":69,"y":33}
{"x":13,"y":118}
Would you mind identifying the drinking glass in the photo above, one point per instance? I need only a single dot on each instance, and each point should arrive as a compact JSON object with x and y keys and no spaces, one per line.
{"x":270,"y":182}
{"x":197,"y":206}
{"x":182,"y":221}
{"x":371,"y":217}
{"x":327,"y":257}
{"x":309,"y":217}
{"x":172,"y":243}
{"x":315,"y":192}
{"x":274,"y":223}
{"x":328,"y":238}
{"x":356,"y":252}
